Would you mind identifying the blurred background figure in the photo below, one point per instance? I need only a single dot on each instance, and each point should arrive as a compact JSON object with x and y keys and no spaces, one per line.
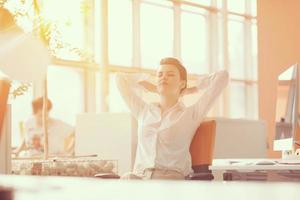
{"x":60,"y":134}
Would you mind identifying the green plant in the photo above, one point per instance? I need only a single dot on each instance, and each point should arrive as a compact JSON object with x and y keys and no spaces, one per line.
{"x":48,"y":31}
{"x":19,"y":88}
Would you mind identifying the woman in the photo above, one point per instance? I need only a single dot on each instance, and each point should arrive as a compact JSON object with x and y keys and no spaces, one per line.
{"x":25,"y":58}
{"x":166,"y":128}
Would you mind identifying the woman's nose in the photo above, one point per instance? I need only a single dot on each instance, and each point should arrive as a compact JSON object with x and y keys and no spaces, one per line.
{"x":163,"y":80}
{"x":164,"y":77}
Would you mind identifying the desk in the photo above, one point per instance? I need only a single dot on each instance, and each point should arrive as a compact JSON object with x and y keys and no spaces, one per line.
{"x":244,"y":167}
{"x":70,"y":188}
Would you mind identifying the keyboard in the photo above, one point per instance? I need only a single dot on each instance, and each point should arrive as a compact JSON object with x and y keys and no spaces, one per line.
{"x":289,"y":162}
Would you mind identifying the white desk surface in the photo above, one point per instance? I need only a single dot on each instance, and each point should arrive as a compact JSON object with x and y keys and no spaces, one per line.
{"x":250,"y":165}
{"x":49,"y":188}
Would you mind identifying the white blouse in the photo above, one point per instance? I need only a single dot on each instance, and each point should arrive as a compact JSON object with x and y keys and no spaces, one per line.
{"x":58,"y":131}
{"x":164,"y":141}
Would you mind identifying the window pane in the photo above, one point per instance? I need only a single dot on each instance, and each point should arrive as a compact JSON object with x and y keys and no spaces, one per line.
{"x":252,"y":101}
{"x":114,"y":99}
{"x":254,"y":54}
{"x":67,"y":28}
{"x":193,"y":9}
{"x":98,"y":31}
{"x":253,"y":7}
{"x":194,"y":42}
{"x":237,"y":100}
{"x":200,"y":2}
{"x":220,"y":42}
{"x":236,"y":42}
{"x":65,"y":90}
{"x":236,"y":6}
{"x":219,"y":4}
{"x":156,"y":34}
{"x":20,"y":111}
{"x":120,"y":32}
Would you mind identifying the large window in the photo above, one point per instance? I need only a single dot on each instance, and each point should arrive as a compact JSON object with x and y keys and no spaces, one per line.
{"x":207,"y":35}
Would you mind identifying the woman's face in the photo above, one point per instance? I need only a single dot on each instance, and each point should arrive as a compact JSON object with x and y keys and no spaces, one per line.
{"x":169,"y":81}
{"x":39,"y":116}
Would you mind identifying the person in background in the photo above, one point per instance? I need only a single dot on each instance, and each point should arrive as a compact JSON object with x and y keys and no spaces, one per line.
{"x":60,"y":134}
{"x":166,"y":128}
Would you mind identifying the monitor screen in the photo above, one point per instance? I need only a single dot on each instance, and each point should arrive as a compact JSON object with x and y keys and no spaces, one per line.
{"x":286,"y":109}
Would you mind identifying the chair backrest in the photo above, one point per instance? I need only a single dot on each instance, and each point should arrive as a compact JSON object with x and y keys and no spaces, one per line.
{"x":202,"y":146}
{"x":4,"y":91}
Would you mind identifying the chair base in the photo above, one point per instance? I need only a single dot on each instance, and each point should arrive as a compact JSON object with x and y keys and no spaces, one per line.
{"x":107,"y":176}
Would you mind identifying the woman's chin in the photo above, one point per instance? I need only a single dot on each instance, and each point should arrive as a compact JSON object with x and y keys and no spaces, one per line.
{"x":162,"y":91}
{"x":165,"y":93}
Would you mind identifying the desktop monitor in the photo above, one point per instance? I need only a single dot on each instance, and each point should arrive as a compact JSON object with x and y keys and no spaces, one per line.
{"x":109,"y":135}
{"x":286,"y":109}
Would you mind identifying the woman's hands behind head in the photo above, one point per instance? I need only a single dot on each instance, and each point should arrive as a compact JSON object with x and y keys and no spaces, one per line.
{"x":150,"y":87}
{"x":190,"y":90}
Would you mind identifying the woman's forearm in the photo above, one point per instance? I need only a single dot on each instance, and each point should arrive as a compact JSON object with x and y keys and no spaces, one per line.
{"x":190,"y":90}
{"x":148,"y":86}
{"x":203,"y":82}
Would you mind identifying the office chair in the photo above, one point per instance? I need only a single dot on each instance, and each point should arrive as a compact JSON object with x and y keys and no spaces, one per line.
{"x":201,"y":149}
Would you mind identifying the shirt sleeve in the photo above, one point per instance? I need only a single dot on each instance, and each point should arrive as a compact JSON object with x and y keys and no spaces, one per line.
{"x":131,"y":92}
{"x":211,"y":86}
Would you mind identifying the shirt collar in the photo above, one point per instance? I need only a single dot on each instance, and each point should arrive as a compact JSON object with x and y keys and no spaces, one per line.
{"x":179,"y":104}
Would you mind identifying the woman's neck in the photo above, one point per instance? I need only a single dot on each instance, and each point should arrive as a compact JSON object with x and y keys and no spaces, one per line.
{"x":167,"y":102}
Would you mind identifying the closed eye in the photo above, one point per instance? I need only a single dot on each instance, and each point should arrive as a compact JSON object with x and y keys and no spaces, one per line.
{"x":170,"y":74}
